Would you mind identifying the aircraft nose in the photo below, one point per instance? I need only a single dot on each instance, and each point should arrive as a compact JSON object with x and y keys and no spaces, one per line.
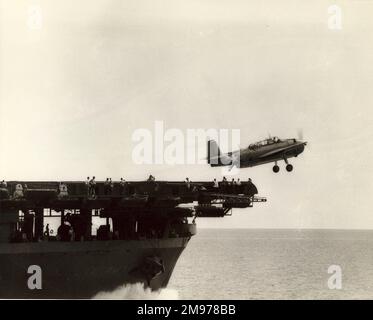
{"x":302,"y":146}
{"x":304,"y":143}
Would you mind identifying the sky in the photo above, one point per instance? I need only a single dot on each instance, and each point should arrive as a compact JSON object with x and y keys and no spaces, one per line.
{"x":77,"y":79}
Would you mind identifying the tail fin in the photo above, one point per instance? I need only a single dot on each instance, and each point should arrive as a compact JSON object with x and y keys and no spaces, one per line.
{"x":213,"y":152}
{"x":214,"y":156}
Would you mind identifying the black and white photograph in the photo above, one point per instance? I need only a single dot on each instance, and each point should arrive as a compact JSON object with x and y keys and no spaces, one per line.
{"x":186,"y":150}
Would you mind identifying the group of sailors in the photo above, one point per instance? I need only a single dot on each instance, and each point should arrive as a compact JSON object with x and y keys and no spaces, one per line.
{"x":91,"y":186}
{"x":223,"y":185}
{"x":230,"y":183}
{"x":225,"y":182}
{"x":108,"y":186}
{"x":19,"y":190}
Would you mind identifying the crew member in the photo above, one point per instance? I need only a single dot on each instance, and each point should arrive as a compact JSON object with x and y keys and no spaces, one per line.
{"x":224,"y":184}
{"x":216,"y":184}
{"x":87,"y":186}
{"x":239,"y":187}
{"x":92,"y":187}
{"x":233,"y":185}
{"x":107,"y":186}
{"x":187,"y":183}
{"x":62,"y":190}
{"x":122,"y":185}
{"x":111,"y":186}
{"x":4,"y":193}
{"x":46,"y":233}
{"x":18,"y":193}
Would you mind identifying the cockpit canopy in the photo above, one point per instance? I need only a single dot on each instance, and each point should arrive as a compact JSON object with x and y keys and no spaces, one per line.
{"x":265,"y":142}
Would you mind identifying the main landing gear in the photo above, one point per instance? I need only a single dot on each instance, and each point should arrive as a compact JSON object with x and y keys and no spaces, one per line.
{"x":276,"y":168}
{"x":289,"y":167}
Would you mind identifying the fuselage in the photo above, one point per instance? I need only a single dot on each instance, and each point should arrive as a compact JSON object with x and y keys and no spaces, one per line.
{"x":265,"y":151}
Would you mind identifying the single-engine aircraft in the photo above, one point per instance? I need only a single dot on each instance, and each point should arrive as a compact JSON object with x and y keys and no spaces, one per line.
{"x":269,"y":150}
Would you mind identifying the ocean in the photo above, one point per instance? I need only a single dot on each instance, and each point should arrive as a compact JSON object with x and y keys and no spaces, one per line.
{"x":274,"y":264}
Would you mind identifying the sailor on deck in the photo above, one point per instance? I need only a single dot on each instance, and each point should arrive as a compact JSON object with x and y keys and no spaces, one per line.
{"x":233,"y":186}
{"x":92,"y":187}
{"x":216,"y":184}
{"x":87,"y":186}
{"x":107,"y":186}
{"x":63,"y":193}
{"x":238,"y":186}
{"x":224,"y":183}
{"x":187,"y":182}
{"x":18,"y":193}
{"x":122,"y":185}
{"x":4,"y":192}
{"x":111,"y":186}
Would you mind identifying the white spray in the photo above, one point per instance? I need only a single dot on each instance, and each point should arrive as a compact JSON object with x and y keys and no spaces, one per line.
{"x":137,"y":291}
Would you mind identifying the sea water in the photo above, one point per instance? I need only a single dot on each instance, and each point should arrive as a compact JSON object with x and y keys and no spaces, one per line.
{"x":275,"y":264}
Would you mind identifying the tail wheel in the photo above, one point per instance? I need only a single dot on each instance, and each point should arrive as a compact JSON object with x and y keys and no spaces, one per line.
{"x":276,"y":168}
{"x":289,"y":168}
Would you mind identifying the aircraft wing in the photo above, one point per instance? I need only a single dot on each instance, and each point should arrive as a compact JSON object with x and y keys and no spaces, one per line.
{"x":225,"y":158}
{"x":272,"y":152}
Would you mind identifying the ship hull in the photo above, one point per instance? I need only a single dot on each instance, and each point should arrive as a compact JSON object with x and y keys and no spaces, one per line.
{"x":83,"y":269}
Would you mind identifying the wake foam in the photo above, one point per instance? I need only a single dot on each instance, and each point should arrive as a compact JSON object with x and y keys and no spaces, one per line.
{"x":137,"y":291}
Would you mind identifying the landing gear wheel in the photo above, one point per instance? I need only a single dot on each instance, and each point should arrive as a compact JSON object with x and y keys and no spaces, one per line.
{"x":276,"y":168}
{"x":289,"y":168}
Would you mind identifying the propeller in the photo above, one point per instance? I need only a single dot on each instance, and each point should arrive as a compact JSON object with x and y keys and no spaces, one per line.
{"x":300,"y":134}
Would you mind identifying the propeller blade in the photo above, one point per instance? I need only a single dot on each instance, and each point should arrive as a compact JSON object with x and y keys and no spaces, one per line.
{"x":300,"y":134}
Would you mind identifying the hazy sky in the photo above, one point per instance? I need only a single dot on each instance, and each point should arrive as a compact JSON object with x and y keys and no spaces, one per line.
{"x":77,"y":83}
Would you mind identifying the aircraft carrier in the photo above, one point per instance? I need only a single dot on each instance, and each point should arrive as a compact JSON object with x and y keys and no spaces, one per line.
{"x":146,"y":226}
